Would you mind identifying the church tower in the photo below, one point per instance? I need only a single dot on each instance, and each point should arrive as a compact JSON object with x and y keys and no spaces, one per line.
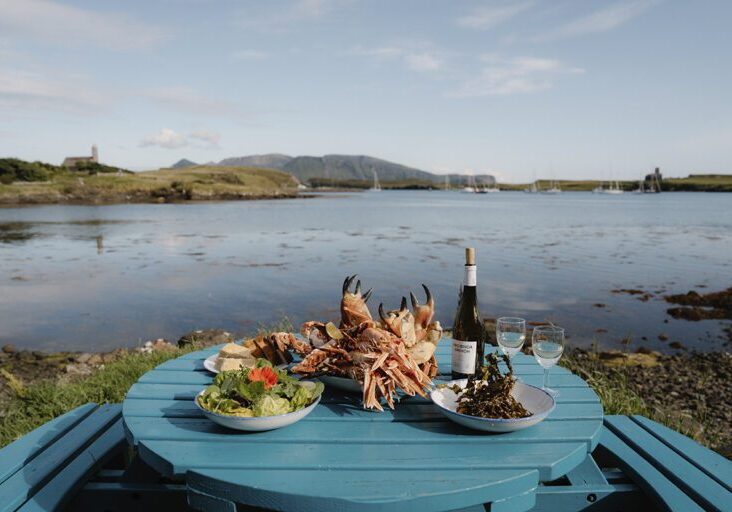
{"x":95,"y":154}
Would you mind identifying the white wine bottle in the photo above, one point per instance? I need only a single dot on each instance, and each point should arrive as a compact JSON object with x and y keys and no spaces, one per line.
{"x":468,"y":331}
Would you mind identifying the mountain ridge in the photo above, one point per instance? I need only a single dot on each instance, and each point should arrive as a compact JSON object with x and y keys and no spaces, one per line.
{"x":343,"y":167}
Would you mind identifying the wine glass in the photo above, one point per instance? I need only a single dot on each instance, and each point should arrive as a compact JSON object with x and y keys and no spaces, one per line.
{"x":511,"y":334}
{"x":547,"y":343}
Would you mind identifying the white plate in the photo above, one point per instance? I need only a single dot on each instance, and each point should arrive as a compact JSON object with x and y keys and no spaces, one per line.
{"x":210,"y":364}
{"x":342,"y":383}
{"x":258,"y":424}
{"x":538,"y":402}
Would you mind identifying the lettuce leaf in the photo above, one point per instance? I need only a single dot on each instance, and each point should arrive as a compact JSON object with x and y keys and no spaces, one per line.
{"x":271,"y":405}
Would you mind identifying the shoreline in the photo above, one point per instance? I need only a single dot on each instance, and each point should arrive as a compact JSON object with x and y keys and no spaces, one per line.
{"x":173,"y":196}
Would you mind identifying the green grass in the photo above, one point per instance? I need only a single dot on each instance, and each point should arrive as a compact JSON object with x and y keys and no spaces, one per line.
{"x":41,"y":401}
{"x":193,"y":183}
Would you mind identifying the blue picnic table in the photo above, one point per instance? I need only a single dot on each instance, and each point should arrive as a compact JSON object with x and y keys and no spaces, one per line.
{"x":342,"y":457}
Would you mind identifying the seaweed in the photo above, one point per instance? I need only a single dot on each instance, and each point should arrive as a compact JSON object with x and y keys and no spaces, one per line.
{"x":488,"y":393}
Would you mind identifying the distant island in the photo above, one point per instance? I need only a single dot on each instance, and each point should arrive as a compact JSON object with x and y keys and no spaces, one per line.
{"x":84,"y":180}
{"x":349,"y":171}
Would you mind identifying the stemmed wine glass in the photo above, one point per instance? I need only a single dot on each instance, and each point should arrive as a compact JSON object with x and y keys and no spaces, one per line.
{"x":547,"y":343}
{"x":511,"y":334}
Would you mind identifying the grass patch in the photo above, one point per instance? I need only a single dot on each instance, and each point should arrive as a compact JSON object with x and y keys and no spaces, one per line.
{"x":39,"y":402}
{"x":193,"y":183}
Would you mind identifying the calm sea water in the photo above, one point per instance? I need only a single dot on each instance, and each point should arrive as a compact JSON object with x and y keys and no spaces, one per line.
{"x":98,"y":277}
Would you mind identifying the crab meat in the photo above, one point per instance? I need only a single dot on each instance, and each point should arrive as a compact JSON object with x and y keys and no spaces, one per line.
{"x":396,"y":353}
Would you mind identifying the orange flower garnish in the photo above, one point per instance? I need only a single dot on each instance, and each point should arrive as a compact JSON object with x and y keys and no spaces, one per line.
{"x":266,"y":375}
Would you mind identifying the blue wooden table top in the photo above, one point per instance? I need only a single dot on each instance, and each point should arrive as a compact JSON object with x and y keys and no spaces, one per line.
{"x":342,"y":457}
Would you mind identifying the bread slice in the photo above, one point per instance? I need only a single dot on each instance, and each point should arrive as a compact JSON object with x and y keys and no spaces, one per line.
{"x":232,"y":350}
{"x":226,"y":364}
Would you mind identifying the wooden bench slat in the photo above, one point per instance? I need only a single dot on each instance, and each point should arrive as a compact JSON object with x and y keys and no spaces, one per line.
{"x":708,"y":461}
{"x":18,"y":453}
{"x":74,"y":475}
{"x":703,"y":489}
{"x":17,"y":489}
{"x":651,"y":480}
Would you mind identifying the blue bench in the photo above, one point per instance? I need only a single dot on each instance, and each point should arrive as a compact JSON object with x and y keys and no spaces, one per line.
{"x":44,"y":469}
{"x":673,"y":470}
{"x":639,"y":465}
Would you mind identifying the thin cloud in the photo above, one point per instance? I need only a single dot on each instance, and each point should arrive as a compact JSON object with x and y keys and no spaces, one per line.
{"x":276,"y":17}
{"x":33,"y":92}
{"x":413,"y":56}
{"x":187,"y":100}
{"x":165,"y":138}
{"x":65,"y":24}
{"x":602,"y":20}
{"x":482,"y":18}
{"x":423,"y":62}
{"x":244,"y":55}
{"x":208,"y":139}
{"x":520,"y":75}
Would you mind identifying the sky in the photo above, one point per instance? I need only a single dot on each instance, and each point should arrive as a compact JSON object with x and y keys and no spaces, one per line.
{"x":529,"y":88}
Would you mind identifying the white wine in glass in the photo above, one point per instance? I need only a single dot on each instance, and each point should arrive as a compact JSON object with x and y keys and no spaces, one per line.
{"x":511,"y":334}
{"x":547,"y":343}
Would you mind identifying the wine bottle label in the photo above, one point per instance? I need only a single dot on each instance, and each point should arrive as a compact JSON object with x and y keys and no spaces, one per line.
{"x":470,"y":275}
{"x":463,"y":356}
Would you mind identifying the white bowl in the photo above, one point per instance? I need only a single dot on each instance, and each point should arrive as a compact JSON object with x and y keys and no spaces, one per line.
{"x":537,"y":401}
{"x":258,"y":424}
{"x":342,"y":383}
{"x":210,"y":364}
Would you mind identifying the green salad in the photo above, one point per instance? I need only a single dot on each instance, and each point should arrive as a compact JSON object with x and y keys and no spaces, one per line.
{"x":259,"y":391}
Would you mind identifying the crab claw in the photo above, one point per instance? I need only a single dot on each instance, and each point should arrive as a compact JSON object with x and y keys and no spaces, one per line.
{"x":347,"y":282}
{"x":423,"y":313}
{"x":366,"y":296}
{"x":400,"y":322}
{"x":353,"y":305}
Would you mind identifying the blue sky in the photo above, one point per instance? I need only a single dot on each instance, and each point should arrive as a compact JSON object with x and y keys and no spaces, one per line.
{"x":562,"y":89}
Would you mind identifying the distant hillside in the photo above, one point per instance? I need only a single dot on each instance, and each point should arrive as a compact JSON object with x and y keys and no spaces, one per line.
{"x":183,"y":163}
{"x":269,"y":161}
{"x":346,"y":167}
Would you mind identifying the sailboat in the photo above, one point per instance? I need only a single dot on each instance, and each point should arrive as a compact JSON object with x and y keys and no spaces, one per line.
{"x":376,"y":186}
{"x":470,"y":187}
{"x":641,"y":188}
{"x":600,"y":189}
{"x":533,"y":189}
{"x":614,"y":189}
{"x":553,"y":189}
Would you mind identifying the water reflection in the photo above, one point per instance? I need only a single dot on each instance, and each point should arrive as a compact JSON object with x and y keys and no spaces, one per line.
{"x":165,"y":269}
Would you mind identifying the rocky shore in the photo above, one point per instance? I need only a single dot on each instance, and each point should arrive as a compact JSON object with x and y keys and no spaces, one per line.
{"x":691,"y":391}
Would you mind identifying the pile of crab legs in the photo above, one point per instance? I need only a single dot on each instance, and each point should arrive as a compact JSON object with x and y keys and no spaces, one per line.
{"x":396,"y":352}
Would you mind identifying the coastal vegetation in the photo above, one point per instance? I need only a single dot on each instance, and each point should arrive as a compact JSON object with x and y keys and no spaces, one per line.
{"x":692,"y":183}
{"x":90,"y":182}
